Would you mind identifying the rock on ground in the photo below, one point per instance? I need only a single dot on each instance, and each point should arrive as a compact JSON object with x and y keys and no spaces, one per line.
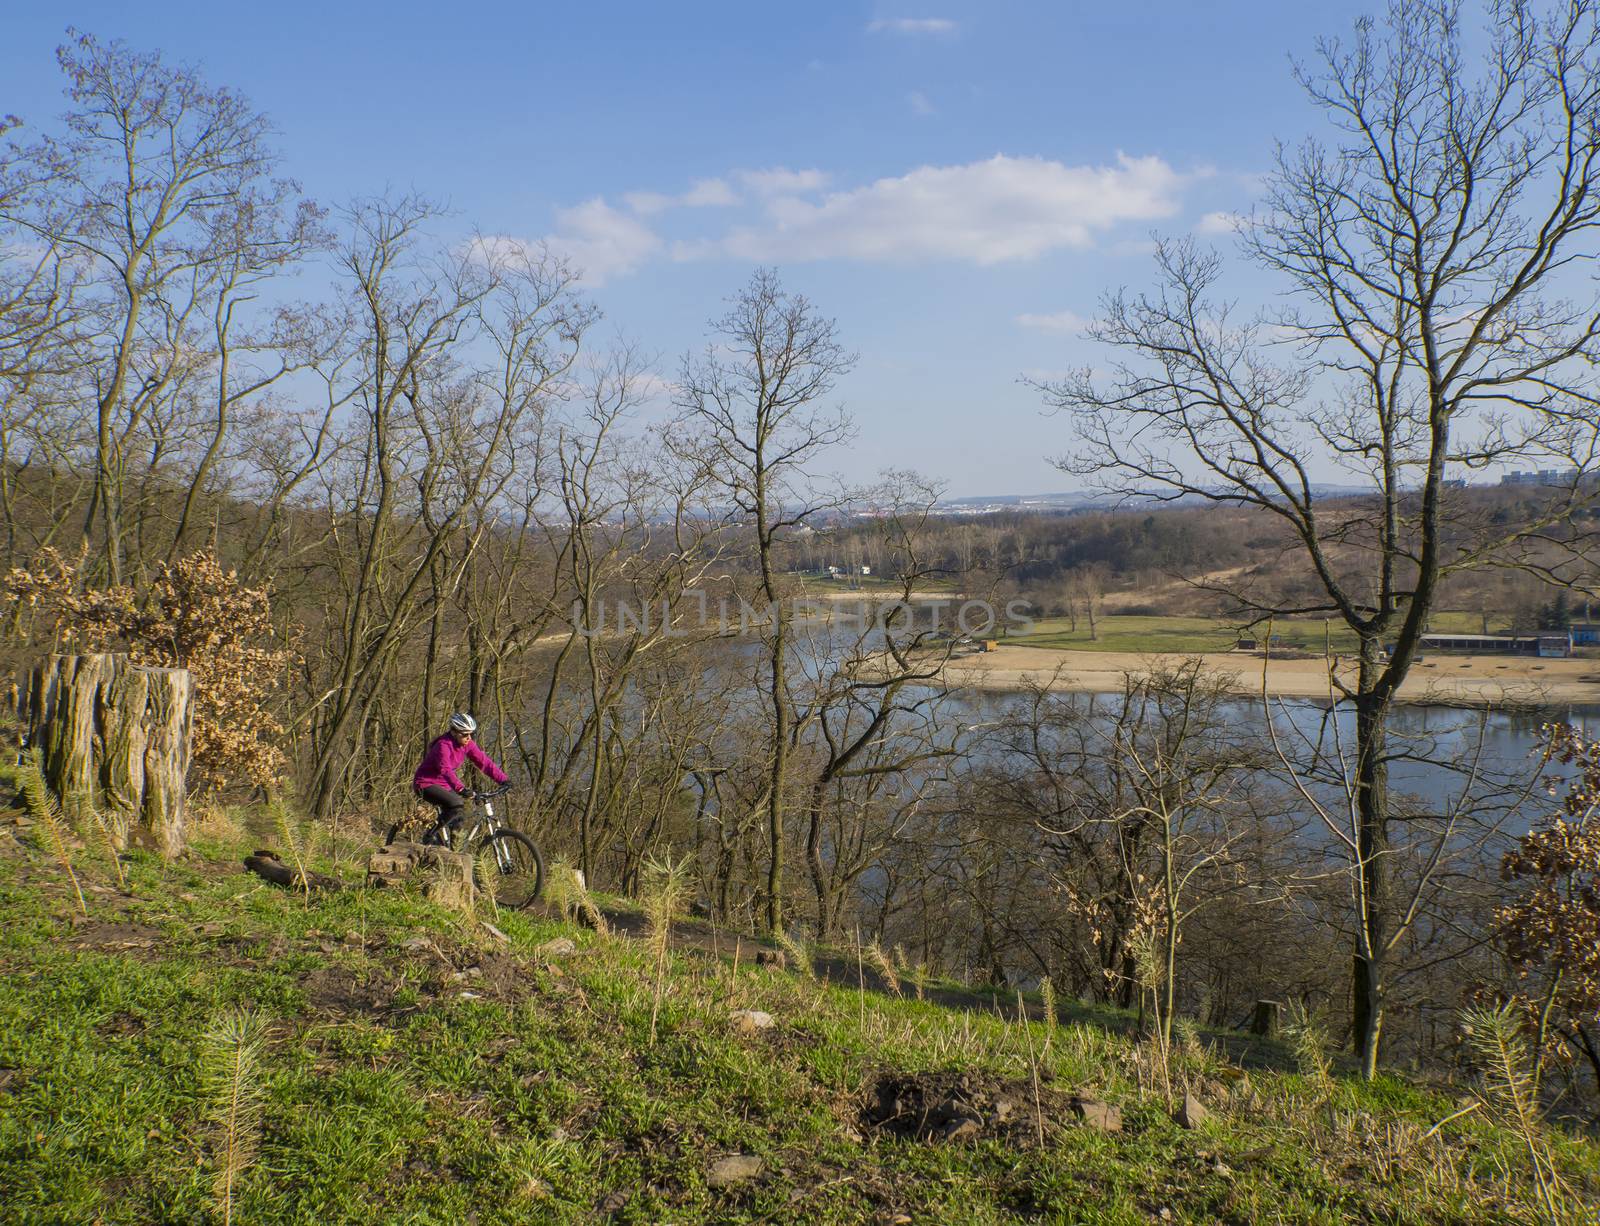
{"x":1191,"y":1112}
{"x":748,"y":1021}
{"x":734,"y":1169}
{"x":1096,"y":1114}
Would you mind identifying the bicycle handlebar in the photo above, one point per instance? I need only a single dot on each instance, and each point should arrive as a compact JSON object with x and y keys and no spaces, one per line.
{"x":499,"y":791}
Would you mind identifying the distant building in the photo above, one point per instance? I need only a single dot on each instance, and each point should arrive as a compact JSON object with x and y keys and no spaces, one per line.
{"x":1545,"y":476}
{"x":1585,"y":634}
{"x":1547,"y":645}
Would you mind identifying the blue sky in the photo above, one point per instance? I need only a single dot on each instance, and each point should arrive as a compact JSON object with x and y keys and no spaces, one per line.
{"x":955,"y":183}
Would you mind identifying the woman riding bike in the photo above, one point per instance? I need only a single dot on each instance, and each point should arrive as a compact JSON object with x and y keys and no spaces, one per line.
{"x":436,"y":780}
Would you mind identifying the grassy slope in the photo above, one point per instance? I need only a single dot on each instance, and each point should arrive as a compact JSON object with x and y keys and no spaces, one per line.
{"x":1128,"y":632}
{"x":403,"y":1085}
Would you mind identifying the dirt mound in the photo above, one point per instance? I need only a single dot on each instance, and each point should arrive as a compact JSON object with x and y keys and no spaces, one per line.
{"x":952,"y":1106}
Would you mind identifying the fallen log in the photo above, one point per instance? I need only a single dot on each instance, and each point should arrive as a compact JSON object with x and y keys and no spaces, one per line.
{"x":266,"y":865}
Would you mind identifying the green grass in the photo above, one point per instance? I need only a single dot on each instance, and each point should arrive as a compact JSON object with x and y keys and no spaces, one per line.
{"x":401,"y":1084}
{"x":1187,"y":635}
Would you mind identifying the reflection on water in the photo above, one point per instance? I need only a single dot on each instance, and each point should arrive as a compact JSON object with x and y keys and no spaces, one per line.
{"x":1438,"y":752}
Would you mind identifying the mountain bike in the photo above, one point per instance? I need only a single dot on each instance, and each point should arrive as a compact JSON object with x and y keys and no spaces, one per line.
{"x":518,"y":858}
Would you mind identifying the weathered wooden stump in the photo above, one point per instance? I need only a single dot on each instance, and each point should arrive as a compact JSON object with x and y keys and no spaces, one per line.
{"x":114,"y":737}
{"x":445,"y":876}
{"x":1264,"y":1020}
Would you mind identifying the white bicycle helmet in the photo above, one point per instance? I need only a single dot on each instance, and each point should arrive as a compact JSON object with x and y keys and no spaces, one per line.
{"x":462,"y":722}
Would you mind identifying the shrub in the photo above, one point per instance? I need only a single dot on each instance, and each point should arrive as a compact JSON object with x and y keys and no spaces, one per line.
{"x":193,"y":615}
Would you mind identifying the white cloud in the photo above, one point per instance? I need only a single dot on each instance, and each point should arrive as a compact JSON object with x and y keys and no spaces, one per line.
{"x":919,"y":102}
{"x":991,"y":212}
{"x":649,"y":386}
{"x":1219,"y":222}
{"x":781,"y":181}
{"x":1069,"y":323}
{"x":602,"y":242}
{"x":911,"y":25}
{"x":702,"y":193}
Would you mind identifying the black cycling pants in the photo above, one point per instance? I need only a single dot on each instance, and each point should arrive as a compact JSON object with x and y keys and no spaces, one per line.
{"x":450,"y":803}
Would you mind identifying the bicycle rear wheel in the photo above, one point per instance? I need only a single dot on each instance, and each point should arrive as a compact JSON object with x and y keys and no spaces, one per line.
{"x":520,"y":879}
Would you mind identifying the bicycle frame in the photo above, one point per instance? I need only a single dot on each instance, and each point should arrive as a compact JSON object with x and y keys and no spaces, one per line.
{"x":483,"y":827}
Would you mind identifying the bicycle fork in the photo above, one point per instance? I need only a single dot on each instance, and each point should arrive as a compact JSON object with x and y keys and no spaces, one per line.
{"x":502,"y":853}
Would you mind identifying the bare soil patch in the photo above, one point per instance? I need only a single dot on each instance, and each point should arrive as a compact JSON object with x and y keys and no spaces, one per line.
{"x":964,"y":1106}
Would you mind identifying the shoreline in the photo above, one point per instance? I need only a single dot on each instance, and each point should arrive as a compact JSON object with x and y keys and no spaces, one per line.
{"x":1507,"y":682}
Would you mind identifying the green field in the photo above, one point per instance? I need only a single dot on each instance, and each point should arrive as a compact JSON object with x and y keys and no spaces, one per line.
{"x":1183,"y":635}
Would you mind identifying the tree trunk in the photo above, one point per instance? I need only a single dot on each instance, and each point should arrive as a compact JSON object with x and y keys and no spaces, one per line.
{"x":1372,"y":846}
{"x":114,"y":738}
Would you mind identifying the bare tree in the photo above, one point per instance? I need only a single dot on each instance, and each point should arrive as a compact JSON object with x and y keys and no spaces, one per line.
{"x":876,"y":723}
{"x":162,"y":190}
{"x":39,"y":331}
{"x":752,"y":400}
{"x":431,"y":421}
{"x":1434,"y":253}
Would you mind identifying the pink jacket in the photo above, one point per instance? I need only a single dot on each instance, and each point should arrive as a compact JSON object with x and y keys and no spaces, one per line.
{"x":444,"y":758}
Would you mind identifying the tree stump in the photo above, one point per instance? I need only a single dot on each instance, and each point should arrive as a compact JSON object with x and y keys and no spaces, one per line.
{"x":1264,"y":1020}
{"x":114,"y":737}
{"x":445,"y":876}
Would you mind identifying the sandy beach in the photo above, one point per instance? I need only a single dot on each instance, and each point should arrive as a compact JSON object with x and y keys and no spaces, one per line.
{"x":1445,"y":680}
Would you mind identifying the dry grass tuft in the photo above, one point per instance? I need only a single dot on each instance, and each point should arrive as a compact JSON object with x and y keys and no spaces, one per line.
{"x":293,"y":839}
{"x":231,"y":1059}
{"x":1495,"y":1037}
{"x":799,"y":955}
{"x":113,"y":837}
{"x":48,"y":819}
{"x":666,"y":885}
{"x":881,"y":964}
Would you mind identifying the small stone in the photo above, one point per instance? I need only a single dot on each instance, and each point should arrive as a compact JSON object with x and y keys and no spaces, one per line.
{"x":353,"y":938}
{"x":748,"y":1021}
{"x":963,"y":1129}
{"x":211,"y":928}
{"x":187,"y":897}
{"x":1003,"y":1107}
{"x":1191,"y":1112}
{"x":734,"y":1169}
{"x":470,"y":995}
{"x":1096,"y":1114}
{"x":418,"y":944}
{"x":561,"y":947}
{"x":496,"y":933}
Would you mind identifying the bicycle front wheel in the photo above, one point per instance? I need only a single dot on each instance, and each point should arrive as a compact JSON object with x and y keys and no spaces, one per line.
{"x":519,"y":879}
